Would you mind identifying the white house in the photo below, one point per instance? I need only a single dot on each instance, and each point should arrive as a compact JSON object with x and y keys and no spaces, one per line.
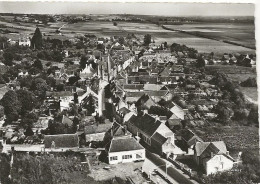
{"x":218,"y":163}
{"x":125,"y":149}
{"x":213,"y":157}
{"x":24,"y":42}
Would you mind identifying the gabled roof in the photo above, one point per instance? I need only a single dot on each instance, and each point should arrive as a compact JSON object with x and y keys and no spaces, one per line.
{"x":61,"y":141}
{"x":101,"y":128}
{"x":124,"y":110}
{"x":205,"y":148}
{"x":124,"y":144}
{"x":159,"y":138}
{"x":145,"y":123}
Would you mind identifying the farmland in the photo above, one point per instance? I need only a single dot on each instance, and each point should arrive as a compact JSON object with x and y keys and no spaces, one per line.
{"x":241,"y":34}
{"x":237,"y":33}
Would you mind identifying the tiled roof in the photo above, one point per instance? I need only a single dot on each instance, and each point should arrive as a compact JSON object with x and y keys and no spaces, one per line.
{"x":124,"y":144}
{"x":159,"y":138}
{"x":160,"y":93}
{"x":61,"y":141}
{"x":101,"y":128}
{"x":146,"y":123}
{"x":206,"y":148}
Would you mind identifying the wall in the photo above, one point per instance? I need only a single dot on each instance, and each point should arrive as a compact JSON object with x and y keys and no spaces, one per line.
{"x":120,"y":155}
{"x":214,"y":164}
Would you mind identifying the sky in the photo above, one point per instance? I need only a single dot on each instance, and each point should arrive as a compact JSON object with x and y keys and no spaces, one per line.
{"x":166,"y":9}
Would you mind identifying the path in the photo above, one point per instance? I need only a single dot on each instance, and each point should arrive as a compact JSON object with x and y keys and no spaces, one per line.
{"x":173,"y":174}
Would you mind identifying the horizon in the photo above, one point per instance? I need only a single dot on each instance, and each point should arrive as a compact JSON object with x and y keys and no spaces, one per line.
{"x":128,"y":8}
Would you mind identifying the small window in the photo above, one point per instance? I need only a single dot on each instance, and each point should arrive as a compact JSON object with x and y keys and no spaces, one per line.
{"x":127,"y":156}
{"x":113,"y":158}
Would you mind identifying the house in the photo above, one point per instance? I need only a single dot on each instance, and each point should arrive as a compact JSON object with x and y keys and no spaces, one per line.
{"x":125,"y":149}
{"x":189,"y":139}
{"x":146,"y":101}
{"x":174,"y":124}
{"x":213,"y":157}
{"x":96,"y":133}
{"x":178,"y":112}
{"x":61,"y":141}
{"x":24,"y":42}
{"x":154,"y":133}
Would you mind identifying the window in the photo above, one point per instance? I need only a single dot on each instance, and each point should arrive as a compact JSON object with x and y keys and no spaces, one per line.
{"x":127,"y":156}
{"x":139,"y":155}
{"x":113,"y":158}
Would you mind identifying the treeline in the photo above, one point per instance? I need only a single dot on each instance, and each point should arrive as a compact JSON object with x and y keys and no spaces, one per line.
{"x":232,"y":106}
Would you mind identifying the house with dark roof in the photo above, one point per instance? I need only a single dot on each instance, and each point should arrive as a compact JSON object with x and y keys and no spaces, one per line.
{"x":146,"y":101}
{"x":61,"y":141}
{"x":125,"y":149}
{"x":213,"y":157}
{"x":147,"y":128}
{"x":189,"y":139}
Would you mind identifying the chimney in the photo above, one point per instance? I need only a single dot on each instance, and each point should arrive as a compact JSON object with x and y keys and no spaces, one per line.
{"x":211,"y":154}
{"x":227,"y":152}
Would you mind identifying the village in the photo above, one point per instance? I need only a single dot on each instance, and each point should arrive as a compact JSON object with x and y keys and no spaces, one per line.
{"x":129,"y":105}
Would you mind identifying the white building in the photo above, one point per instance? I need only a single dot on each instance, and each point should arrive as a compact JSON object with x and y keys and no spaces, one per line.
{"x":125,"y":149}
{"x":24,"y":42}
{"x":213,"y":157}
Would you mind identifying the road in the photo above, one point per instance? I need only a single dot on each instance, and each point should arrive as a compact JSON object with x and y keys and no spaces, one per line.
{"x":171,"y":171}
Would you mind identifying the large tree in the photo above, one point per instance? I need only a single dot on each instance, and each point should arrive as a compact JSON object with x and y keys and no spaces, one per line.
{"x":12,"y":105}
{"x":39,"y":86}
{"x":37,"y":39}
{"x":8,"y":58}
{"x":27,"y":100}
{"x":147,"y":39}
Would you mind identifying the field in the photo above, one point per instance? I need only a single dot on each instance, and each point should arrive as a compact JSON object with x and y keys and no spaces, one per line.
{"x":243,"y":34}
{"x":237,"y":138}
{"x":159,"y":35}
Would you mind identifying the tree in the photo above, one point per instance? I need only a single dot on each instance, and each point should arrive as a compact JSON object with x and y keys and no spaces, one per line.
{"x":38,"y":64}
{"x":83,"y":61}
{"x":27,"y":100}
{"x":26,"y":81}
{"x":28,"y":131}
{"x":12,"y":105}
{"x":147,"y":39}
{"x":39,"y":86}
{"x":212,"y":55}
{"x":28,"y":119}
{"x":114,"y":23}
{"x":8,"y":58}
{"x":253,"y":115}
{"x":5,"y":168}
{"x":36,"y":41}
{"x":200,"y":62}
{"x":121,"y":40}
